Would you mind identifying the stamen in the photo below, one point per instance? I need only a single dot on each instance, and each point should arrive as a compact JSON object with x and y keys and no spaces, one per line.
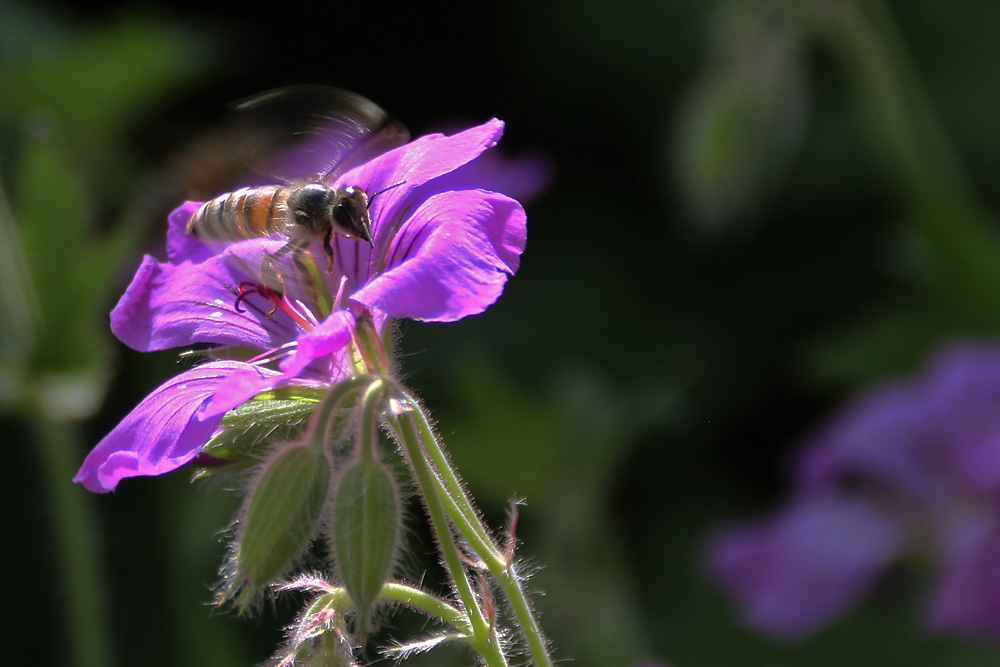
{"x":339,"y":299}
{"x":304,"y":311}
{"x":275,"y":354}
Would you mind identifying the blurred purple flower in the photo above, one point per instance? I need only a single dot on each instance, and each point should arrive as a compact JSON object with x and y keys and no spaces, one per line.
{"x":910,"y":466}
{"x":439,"y":254}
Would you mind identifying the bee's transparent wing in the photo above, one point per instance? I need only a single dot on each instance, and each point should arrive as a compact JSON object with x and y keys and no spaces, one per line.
{"x":314,"y":132}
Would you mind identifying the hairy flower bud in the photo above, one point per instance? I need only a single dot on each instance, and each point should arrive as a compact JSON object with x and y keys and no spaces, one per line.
{"x":367,"y":518}
{"x":281,"y":514}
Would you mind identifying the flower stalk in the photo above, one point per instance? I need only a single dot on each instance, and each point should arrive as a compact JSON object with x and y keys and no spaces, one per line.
{"x":461,"y":509}
{"x":484,"y":636}
{"x":440,"y":480}
{"x":431,"y":605}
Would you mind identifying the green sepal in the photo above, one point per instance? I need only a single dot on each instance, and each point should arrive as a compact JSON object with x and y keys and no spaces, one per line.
{"x":366,"y":526}
{"x":282,"y":514}
{"x":371,"y":344}
{"x":315,"y":282}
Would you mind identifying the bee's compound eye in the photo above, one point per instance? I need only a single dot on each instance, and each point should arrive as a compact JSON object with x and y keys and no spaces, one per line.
{"x":343,"y":213}
{"x":350,"y":214}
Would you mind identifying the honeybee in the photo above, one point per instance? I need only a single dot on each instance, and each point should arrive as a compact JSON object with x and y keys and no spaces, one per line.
{"x":329,"y":131}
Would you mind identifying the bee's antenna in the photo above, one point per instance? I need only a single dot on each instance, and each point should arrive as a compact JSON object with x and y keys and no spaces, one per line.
{"x":372,"y":198}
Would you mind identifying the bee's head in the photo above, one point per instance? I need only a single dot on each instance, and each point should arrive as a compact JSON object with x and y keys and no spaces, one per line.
{"x":315,"y":207}
{"x":350,"y":214}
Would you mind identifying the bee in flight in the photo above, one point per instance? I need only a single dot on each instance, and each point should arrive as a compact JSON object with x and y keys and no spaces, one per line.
{"x":329,"y":131}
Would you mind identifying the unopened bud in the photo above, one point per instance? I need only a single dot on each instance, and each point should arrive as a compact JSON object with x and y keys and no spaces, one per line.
{"x":282,"y":514}
{"x":743,"y":120}
{"x":367,"y":518}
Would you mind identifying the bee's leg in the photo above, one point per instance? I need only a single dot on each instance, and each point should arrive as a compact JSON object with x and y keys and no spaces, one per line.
{"x":305,"y":266}
{"x":328,"y":249}
{"x":269,"y":274}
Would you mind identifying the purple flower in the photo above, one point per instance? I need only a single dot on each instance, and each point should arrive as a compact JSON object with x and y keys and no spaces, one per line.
{"x":908,"y":467}
{"x":439,"y":254}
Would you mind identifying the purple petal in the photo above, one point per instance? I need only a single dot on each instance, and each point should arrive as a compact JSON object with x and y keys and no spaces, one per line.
{"x":451,"y":259}
{"x":916,"y":438}
{"x":241,"y":385}
{"x":966,"y":599}
{"x":523,"y":177}
{"x":418,"y":162}
{"x":180,"y":244}
{"x":883,"y":440}
{"x":171,"y":305}
{"x":330,"y":336}
{"x":797,"y":570}
{"x":162,"y":433}
{"x":961,"y":392}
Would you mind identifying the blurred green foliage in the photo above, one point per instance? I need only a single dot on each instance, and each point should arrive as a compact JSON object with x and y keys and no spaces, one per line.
{"x":69,"y":99}
{"x":636,"y":384}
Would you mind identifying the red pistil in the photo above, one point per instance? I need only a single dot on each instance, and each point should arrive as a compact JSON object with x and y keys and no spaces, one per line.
{"x":248,"y":287}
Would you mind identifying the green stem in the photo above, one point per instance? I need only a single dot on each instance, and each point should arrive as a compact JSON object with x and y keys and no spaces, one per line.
{"x":75,"y":544}
{"x":511,"y":584}
{"x":484,"y":638}
{"x":368,"y":429}
{"x":867,"y":40}
{"x":468,"y":523}
{"x":959,"y":236}
{"x":322,"y":421}
{"x":426,"y":602}
{"x":340,"y":599}
{"x":462,"y":510}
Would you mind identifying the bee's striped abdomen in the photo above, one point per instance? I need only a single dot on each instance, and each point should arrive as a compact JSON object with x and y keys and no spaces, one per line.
{"x":242,"y":214}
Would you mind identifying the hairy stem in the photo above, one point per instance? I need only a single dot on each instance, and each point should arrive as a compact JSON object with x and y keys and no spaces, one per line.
{"x":429,"y":604}
{"x":484,"y":638}
{"x":470,"y":526}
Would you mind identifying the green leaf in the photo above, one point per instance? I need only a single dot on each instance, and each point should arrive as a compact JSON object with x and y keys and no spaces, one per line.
{"x":66,"y":84}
